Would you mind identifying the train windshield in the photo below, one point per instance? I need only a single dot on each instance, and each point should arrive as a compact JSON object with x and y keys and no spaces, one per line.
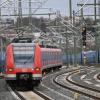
{"x":23,"y":55}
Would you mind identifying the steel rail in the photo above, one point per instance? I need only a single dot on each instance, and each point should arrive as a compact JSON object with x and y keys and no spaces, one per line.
{"x":76,"y":84}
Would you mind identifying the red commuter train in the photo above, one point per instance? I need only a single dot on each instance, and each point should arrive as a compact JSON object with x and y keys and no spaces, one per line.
{"x":28,"y":61}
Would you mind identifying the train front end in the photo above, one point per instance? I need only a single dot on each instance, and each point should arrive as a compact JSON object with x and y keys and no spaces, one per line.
{"x":22,"y":62}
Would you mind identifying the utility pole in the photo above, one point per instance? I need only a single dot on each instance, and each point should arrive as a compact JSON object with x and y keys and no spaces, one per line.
{"x":98,"y":49}
{"x":67,"y":50}
{"x":75,"y":57}
{"x":20,"y":13}
{"x":70,"y":8}
{"x":0,"y":10}
{"x":95,"y":14}
{"x":30,"y":13}
{"x":1,"y":47}
{"x":1,"y":42}
{"x":73,"y":17}
{"x":99,"y":9}
{"x":82,"y":13}
{"x":96,"y":46}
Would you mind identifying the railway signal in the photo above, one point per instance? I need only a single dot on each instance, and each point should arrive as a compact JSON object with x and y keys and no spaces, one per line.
{"x":84,"y":44}
{"x":84,"y":36}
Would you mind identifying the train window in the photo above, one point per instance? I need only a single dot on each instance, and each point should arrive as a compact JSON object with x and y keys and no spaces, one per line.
{"x":42,"y":58}
{"x":24,"y":56}
{"x":45,"y":57}
{"x":22,"y":40}
{"x":53,"y":56}
{"x":56,"y":56}
{"x":59,"y":57}
{"x":50,"y":56}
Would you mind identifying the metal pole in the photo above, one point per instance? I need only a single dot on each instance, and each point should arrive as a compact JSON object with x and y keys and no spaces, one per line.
{"x":82,"y":13}
{"x":1,"y":55}
{"x":20,"y":13}
{"x":49,"y":16}
{"x":95,"y":10}
{"x":70,"y":8}
{"x":96,"y":46}
{"x":1,"y":48}
{"x":71,"y":57}
{"x":98,"y":50}
{"x":75,"y":57}
{"x":67,"y":50}
{"x":0,"y":10}
{"x":73,"y":17}
{"x":15,"y":10}
{"x":30,"y":13}
{"x":99,"y":9}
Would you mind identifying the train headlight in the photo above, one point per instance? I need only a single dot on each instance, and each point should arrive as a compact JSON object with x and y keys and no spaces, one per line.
{"x":10,"y":69}
{"x":37,"y":69}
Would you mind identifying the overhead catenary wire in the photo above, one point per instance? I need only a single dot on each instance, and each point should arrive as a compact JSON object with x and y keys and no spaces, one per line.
{"x":40,"y":6}
{"x":5,"y":3}
{"x":81,"y":7}
{"x":68,"y":23}
{"x":69,"y":27}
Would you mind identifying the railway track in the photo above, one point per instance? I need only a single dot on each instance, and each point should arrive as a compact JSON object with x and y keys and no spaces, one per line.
{"x":27,"y":93}
{"x":24,"y":93}
{"x":64,"y":81}
{"x":58,"y":92}
{"x":49,"y":89}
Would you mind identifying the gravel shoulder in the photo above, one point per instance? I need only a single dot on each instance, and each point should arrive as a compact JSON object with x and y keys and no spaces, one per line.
{"x":5,"y":94}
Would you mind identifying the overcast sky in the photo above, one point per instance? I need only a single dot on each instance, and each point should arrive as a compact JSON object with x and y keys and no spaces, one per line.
{"x":61,"y":5}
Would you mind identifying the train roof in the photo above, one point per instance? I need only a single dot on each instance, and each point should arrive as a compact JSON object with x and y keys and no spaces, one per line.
{"x":22,"y":40}
{"x":26,"y":40}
